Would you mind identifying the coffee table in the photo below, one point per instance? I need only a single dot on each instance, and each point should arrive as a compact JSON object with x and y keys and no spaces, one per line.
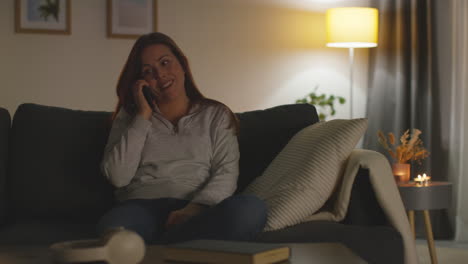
{"x":305,"y":253}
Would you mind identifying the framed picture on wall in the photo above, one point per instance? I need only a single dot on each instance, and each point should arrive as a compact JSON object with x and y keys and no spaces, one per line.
{"x":43,"y":16}
{"x":131,"y":18}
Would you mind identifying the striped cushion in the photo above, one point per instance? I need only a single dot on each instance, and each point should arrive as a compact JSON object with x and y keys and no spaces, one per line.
{"x":302,"y":177}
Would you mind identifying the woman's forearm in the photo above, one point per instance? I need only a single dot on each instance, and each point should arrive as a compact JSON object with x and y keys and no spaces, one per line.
{"x":123,"y":152}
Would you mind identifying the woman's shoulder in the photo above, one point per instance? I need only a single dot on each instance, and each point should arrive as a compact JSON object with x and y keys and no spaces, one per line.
{"x":215,"y":107}
{"x":221,"y":115}
{"x":122,"y":114}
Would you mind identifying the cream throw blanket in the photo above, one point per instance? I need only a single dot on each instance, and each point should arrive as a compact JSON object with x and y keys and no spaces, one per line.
{"x":385,"y":189}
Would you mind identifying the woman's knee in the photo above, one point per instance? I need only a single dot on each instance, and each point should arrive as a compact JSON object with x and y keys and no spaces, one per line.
{"x":246,"y":212}
{"x":246,"y":204}
{"x":131,"y":216}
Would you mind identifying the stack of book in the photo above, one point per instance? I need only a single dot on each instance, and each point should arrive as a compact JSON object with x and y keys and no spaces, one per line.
{"x":226,"y":252}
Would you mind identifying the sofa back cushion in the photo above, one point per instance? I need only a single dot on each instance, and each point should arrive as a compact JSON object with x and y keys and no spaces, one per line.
{"x":264,"y":133}
{"x":5,"y":123}
{"x":54,"y":163}
{"x":55,"y":155}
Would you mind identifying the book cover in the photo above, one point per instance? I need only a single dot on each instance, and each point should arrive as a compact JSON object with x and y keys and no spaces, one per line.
{"x":226,"y":252}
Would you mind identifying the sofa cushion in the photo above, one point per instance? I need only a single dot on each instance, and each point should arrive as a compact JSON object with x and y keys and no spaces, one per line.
{"x":45,"y":231}
{"x":5,"y":123}
{"x":54,"y":163}
{"x":375,"y":244}
{"x":263,"y":133}
{"x":62,"y":148}
{"x":303,"y":176}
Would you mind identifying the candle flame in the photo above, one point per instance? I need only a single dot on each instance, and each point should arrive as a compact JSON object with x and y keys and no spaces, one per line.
{"x":422,"y":180}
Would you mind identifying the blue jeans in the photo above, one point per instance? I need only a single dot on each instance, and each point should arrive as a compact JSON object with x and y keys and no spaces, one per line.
{"x":239,"y":217}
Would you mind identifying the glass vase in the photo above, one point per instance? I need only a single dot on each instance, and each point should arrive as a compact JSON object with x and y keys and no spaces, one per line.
{"x":401,"y":172}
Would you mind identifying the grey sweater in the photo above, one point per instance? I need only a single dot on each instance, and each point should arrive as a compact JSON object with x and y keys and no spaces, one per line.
{"x":197,"y":160}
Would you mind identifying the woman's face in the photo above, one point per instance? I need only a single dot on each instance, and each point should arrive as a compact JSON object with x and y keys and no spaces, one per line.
{"x":162,"y":70}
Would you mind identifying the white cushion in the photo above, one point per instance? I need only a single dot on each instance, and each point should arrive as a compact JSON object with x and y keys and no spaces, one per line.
{"x":304,"y":174}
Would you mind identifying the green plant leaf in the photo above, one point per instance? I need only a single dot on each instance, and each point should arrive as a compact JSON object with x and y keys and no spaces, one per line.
{"x":324,"y":103}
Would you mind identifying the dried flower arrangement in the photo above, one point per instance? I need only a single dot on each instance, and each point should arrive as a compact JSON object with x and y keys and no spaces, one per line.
{"x":410,"y":148}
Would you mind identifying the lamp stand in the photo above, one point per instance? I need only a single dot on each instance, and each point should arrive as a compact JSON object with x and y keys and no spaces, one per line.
{"x":351,"y":64}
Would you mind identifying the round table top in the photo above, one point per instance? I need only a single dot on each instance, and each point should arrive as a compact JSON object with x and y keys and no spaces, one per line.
{"x":430,"y":184}
{"x":430,"y":196}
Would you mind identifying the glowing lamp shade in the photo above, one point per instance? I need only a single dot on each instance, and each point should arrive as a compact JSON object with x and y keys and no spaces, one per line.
{"x":352,"y":27}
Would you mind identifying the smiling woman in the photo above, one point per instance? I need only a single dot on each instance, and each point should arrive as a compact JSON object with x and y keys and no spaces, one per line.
{"x":174,"y":160}
{"x":161,"y":70}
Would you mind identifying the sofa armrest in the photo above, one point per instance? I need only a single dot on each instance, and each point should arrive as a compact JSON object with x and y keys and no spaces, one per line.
{"x":5,"y":124}
{"x":386,"y":194}
{"x":364,"y":208}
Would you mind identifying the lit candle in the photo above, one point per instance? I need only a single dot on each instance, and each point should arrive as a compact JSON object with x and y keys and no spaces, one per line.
{"x":424,"y":180}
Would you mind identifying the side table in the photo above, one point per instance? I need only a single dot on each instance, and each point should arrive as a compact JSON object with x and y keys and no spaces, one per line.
{"x":431,"y":196}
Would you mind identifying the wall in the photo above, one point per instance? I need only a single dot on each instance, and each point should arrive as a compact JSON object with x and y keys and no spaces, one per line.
{"x":77,"y":71}
{"x":248,"y":54}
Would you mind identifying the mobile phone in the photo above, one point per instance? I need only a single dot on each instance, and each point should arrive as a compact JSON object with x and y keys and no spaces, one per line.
{"x":148,"y":96}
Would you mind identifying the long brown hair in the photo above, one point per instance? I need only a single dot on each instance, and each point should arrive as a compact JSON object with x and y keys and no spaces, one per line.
{"x":132,"y":69}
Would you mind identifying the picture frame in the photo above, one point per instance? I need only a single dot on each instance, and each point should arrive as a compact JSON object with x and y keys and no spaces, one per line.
{"x":43,"y":16}
{"x":131,"y":18}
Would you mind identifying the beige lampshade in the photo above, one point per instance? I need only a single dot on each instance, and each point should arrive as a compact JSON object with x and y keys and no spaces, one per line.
{"x":352,"y":27}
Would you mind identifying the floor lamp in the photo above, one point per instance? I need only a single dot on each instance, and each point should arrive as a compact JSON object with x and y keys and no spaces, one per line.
{"x":352,"y":27}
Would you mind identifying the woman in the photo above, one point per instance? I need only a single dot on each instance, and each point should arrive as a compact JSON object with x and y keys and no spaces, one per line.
{"x":175,"y":165}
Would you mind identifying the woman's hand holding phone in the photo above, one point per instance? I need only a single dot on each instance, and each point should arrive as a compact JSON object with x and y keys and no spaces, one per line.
{"x":143,"y":106}
{"x":148,"y":96}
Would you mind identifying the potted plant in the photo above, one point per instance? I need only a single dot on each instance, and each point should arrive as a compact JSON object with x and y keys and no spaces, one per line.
{"x":410,"y":149}
{"x":325,"y":103}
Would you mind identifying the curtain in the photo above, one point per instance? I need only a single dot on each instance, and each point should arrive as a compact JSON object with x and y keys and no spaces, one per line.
{"x":402,"y":92}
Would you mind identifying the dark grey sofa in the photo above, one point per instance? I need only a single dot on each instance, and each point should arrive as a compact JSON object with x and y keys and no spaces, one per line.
{"x":51,"y":188}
